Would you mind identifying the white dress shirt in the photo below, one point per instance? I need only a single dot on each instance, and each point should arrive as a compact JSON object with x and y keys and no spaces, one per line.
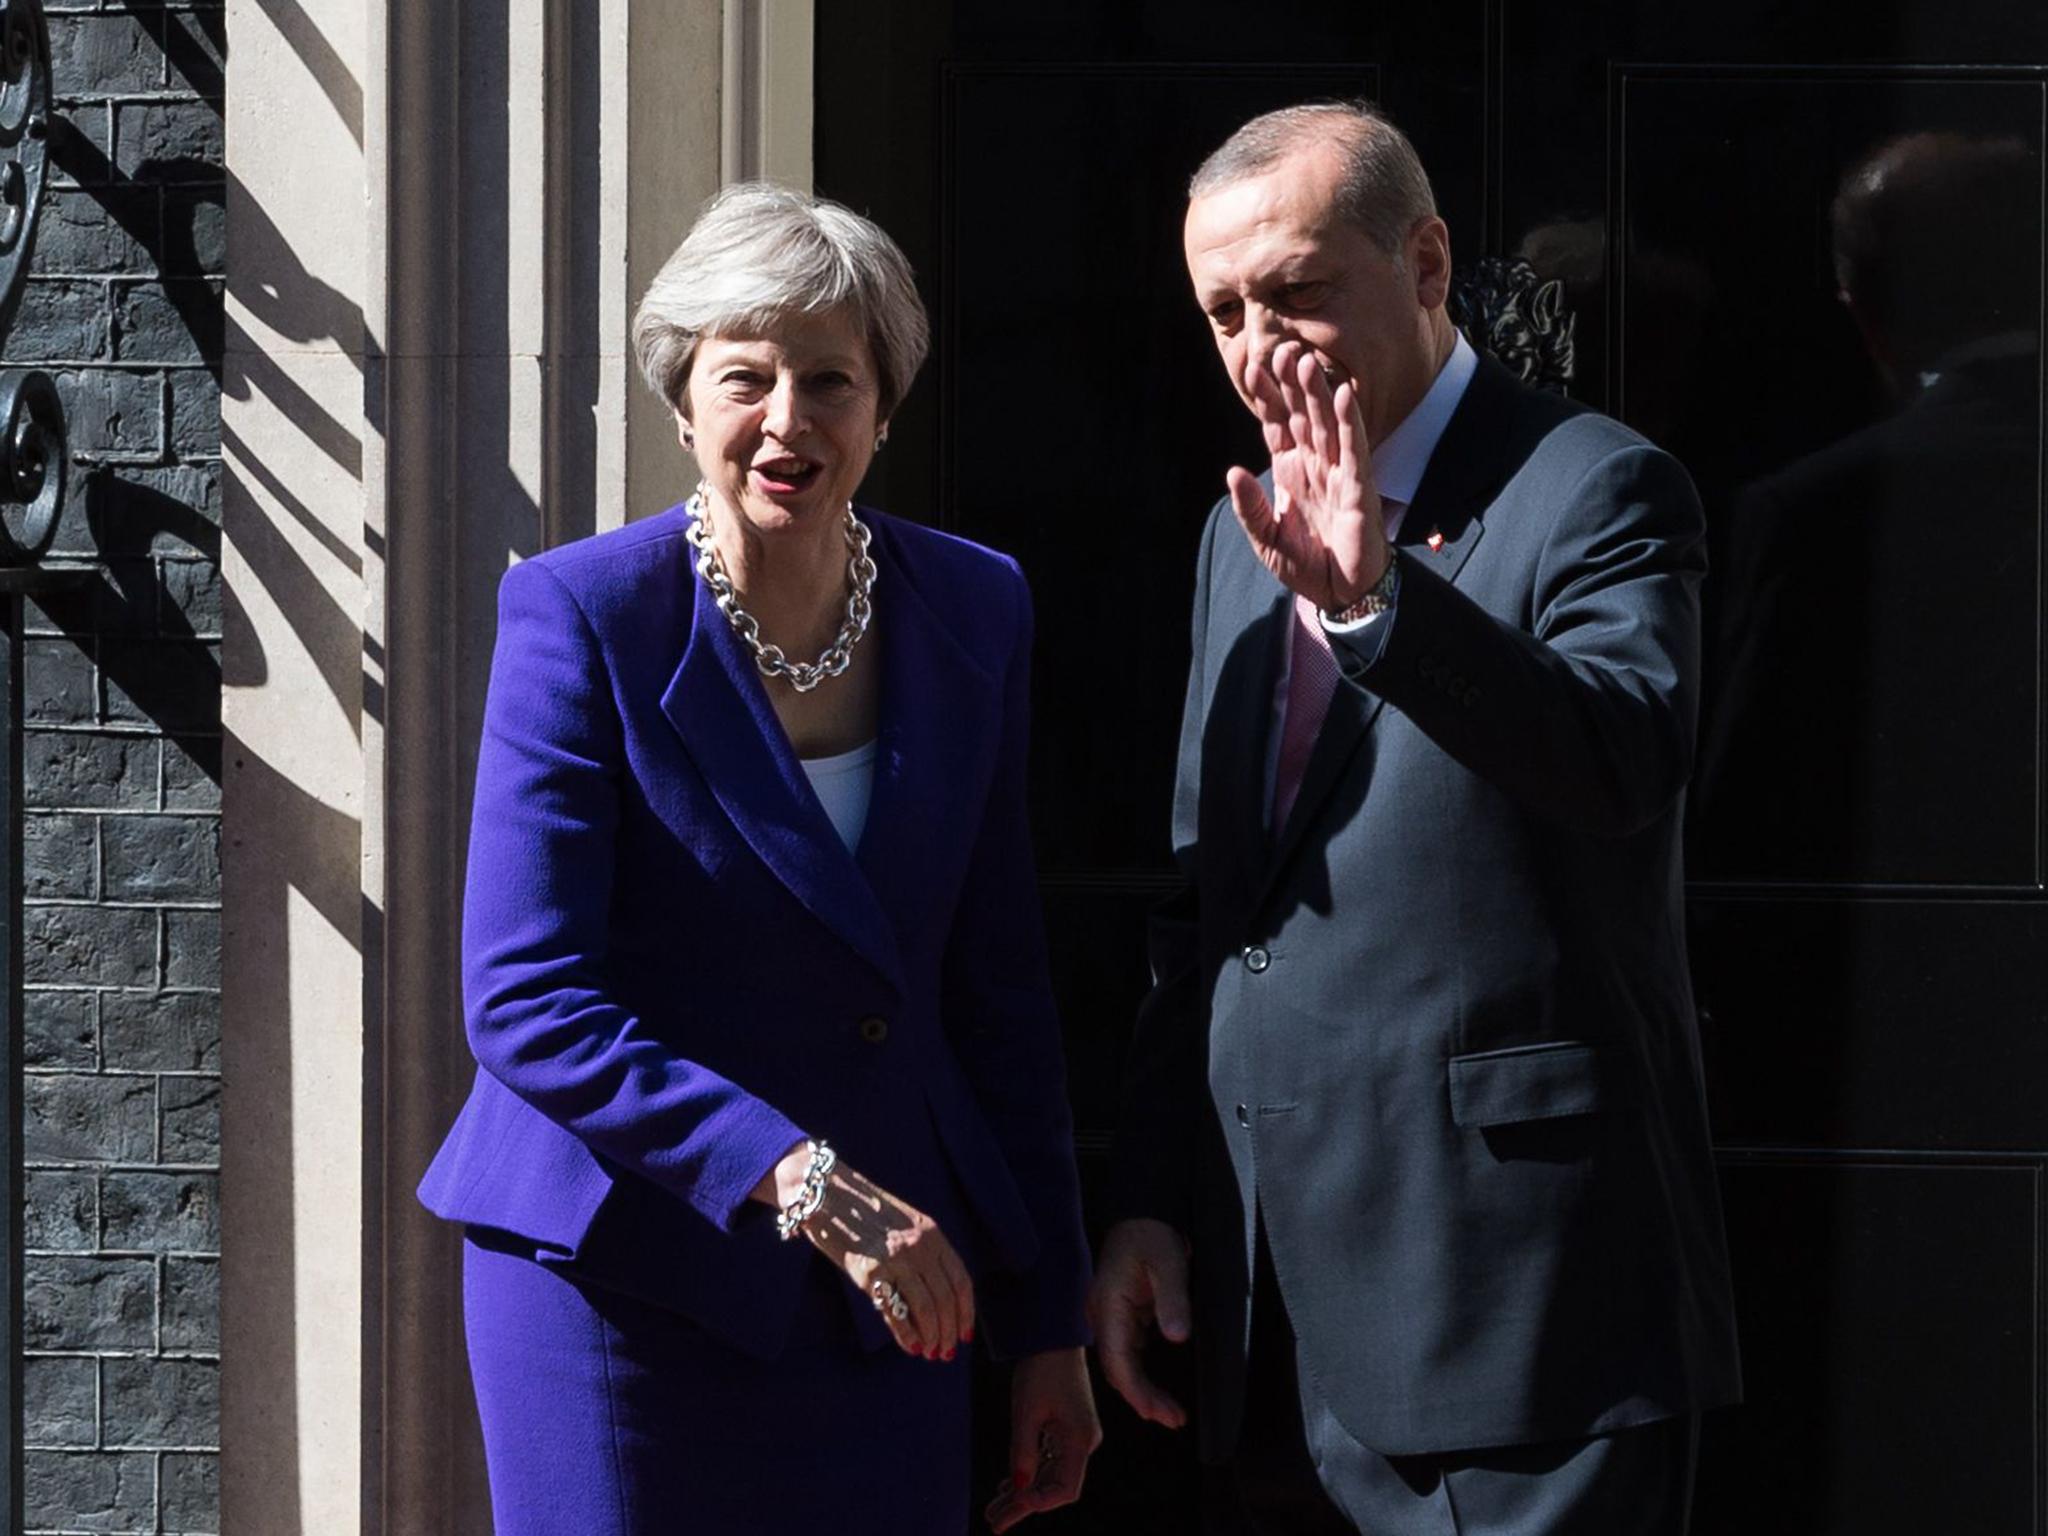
{"x":844,"y":782}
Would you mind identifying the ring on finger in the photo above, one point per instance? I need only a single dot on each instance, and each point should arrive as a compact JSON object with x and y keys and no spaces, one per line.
{"x":888,"y":1299}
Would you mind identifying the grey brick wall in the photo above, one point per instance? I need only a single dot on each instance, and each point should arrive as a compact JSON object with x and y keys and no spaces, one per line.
{"x":124,"y":308}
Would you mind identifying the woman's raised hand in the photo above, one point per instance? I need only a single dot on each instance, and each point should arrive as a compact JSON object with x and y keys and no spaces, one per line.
{"x":1320,"y":533}
{"x":889,"y":1250}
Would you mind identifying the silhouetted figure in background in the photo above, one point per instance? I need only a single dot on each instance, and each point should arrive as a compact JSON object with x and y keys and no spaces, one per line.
{"x":1853,"y":641}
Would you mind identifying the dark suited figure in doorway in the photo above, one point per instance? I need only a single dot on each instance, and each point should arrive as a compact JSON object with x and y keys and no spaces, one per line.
{"x":1831,"y":725}
{"x":1415,"y":1148}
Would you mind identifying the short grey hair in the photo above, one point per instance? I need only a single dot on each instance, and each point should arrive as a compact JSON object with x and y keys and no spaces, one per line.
{"x":1385,"y":190}
{"x":759,"y":254}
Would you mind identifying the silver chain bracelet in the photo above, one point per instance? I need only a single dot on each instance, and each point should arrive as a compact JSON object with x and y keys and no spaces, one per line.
{"x":789,"y":1221}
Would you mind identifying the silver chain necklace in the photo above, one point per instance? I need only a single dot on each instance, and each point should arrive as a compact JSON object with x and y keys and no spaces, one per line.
{"x":803,"y":675}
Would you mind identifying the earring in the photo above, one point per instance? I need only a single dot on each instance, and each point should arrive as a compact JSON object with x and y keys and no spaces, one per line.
{"x":880,"y":439}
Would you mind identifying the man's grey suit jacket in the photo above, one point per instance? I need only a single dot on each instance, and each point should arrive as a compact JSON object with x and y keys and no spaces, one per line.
{"x":1440,"y":1029}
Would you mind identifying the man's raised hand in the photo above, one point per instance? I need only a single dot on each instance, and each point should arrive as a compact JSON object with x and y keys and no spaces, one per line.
{"x":1321,"y":532}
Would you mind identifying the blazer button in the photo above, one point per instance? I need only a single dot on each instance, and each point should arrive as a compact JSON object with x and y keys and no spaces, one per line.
{"x":1244,"y":1116}
{"x":874,"y":1030}
{"x":1256,"y":959}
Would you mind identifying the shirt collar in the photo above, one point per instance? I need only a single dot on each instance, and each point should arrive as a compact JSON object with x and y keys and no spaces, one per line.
{"x":1398,"y":463}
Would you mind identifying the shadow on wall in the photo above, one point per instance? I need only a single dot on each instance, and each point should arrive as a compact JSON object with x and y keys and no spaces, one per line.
{"x":114,"y":515}
{"x":198,"y":66}
{"x":122,"y":515}
{"x":327,"y":67}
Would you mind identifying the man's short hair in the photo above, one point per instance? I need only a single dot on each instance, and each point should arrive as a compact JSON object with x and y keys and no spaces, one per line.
{"x":1385,"y":190}
{"x":1929,"y":244}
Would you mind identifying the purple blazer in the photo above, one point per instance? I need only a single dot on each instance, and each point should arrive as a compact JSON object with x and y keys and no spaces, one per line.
{"x":673,"y":968}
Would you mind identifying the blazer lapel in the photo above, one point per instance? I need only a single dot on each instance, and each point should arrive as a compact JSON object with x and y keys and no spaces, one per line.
{"x":938,"y":722}
{"x":1244,"y":707}
{"x":1441,"y":528}
{"x":719,"y":705}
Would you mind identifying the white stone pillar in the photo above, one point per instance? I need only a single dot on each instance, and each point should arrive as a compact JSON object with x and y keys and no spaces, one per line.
{"x":297,"y":449}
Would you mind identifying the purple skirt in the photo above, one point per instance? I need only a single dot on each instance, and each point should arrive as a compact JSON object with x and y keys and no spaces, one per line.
{"x":606,"y":1416}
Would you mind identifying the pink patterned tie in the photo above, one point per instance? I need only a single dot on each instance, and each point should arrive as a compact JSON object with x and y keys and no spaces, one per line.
{"x":1311,"y":680}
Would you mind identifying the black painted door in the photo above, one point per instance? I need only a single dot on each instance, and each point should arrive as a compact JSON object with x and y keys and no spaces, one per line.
{"x":1868,"y":848}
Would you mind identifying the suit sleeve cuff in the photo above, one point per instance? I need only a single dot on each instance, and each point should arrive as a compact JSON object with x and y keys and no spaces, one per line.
{"x":728,"y":1195}
{"x":1359,"y":644}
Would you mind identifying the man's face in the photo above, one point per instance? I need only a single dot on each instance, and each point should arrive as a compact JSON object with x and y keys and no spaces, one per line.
{"x":1272,"y":261}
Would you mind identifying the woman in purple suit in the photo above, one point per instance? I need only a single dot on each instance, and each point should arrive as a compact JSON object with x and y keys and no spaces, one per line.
{"x":770,"y":1122}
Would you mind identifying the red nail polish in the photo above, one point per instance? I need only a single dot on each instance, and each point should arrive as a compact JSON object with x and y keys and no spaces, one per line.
{"x":949,"y":1354}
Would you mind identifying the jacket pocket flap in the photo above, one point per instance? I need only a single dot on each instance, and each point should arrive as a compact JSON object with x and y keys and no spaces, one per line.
{"x":1529,"y":1082}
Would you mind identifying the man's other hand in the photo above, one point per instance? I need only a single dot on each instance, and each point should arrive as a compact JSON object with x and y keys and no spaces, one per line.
{"x":1141,"y":1282}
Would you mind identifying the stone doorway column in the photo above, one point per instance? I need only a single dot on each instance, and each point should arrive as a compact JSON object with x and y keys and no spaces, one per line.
{"x":439,"y":218}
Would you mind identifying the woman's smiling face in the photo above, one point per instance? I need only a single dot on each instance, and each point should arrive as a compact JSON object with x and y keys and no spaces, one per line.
{"x":785,"y":422}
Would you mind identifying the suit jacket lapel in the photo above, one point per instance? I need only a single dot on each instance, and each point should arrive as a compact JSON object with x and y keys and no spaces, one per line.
{"x":1441,"y":528}
{"x":939,"y":720}
{"x":719,"y":706}
{"x":1244,"y":703}
{"x":1464,"y":474}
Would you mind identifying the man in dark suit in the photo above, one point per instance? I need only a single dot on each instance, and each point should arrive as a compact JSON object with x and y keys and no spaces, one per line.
{"x":1414,"y":1144}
